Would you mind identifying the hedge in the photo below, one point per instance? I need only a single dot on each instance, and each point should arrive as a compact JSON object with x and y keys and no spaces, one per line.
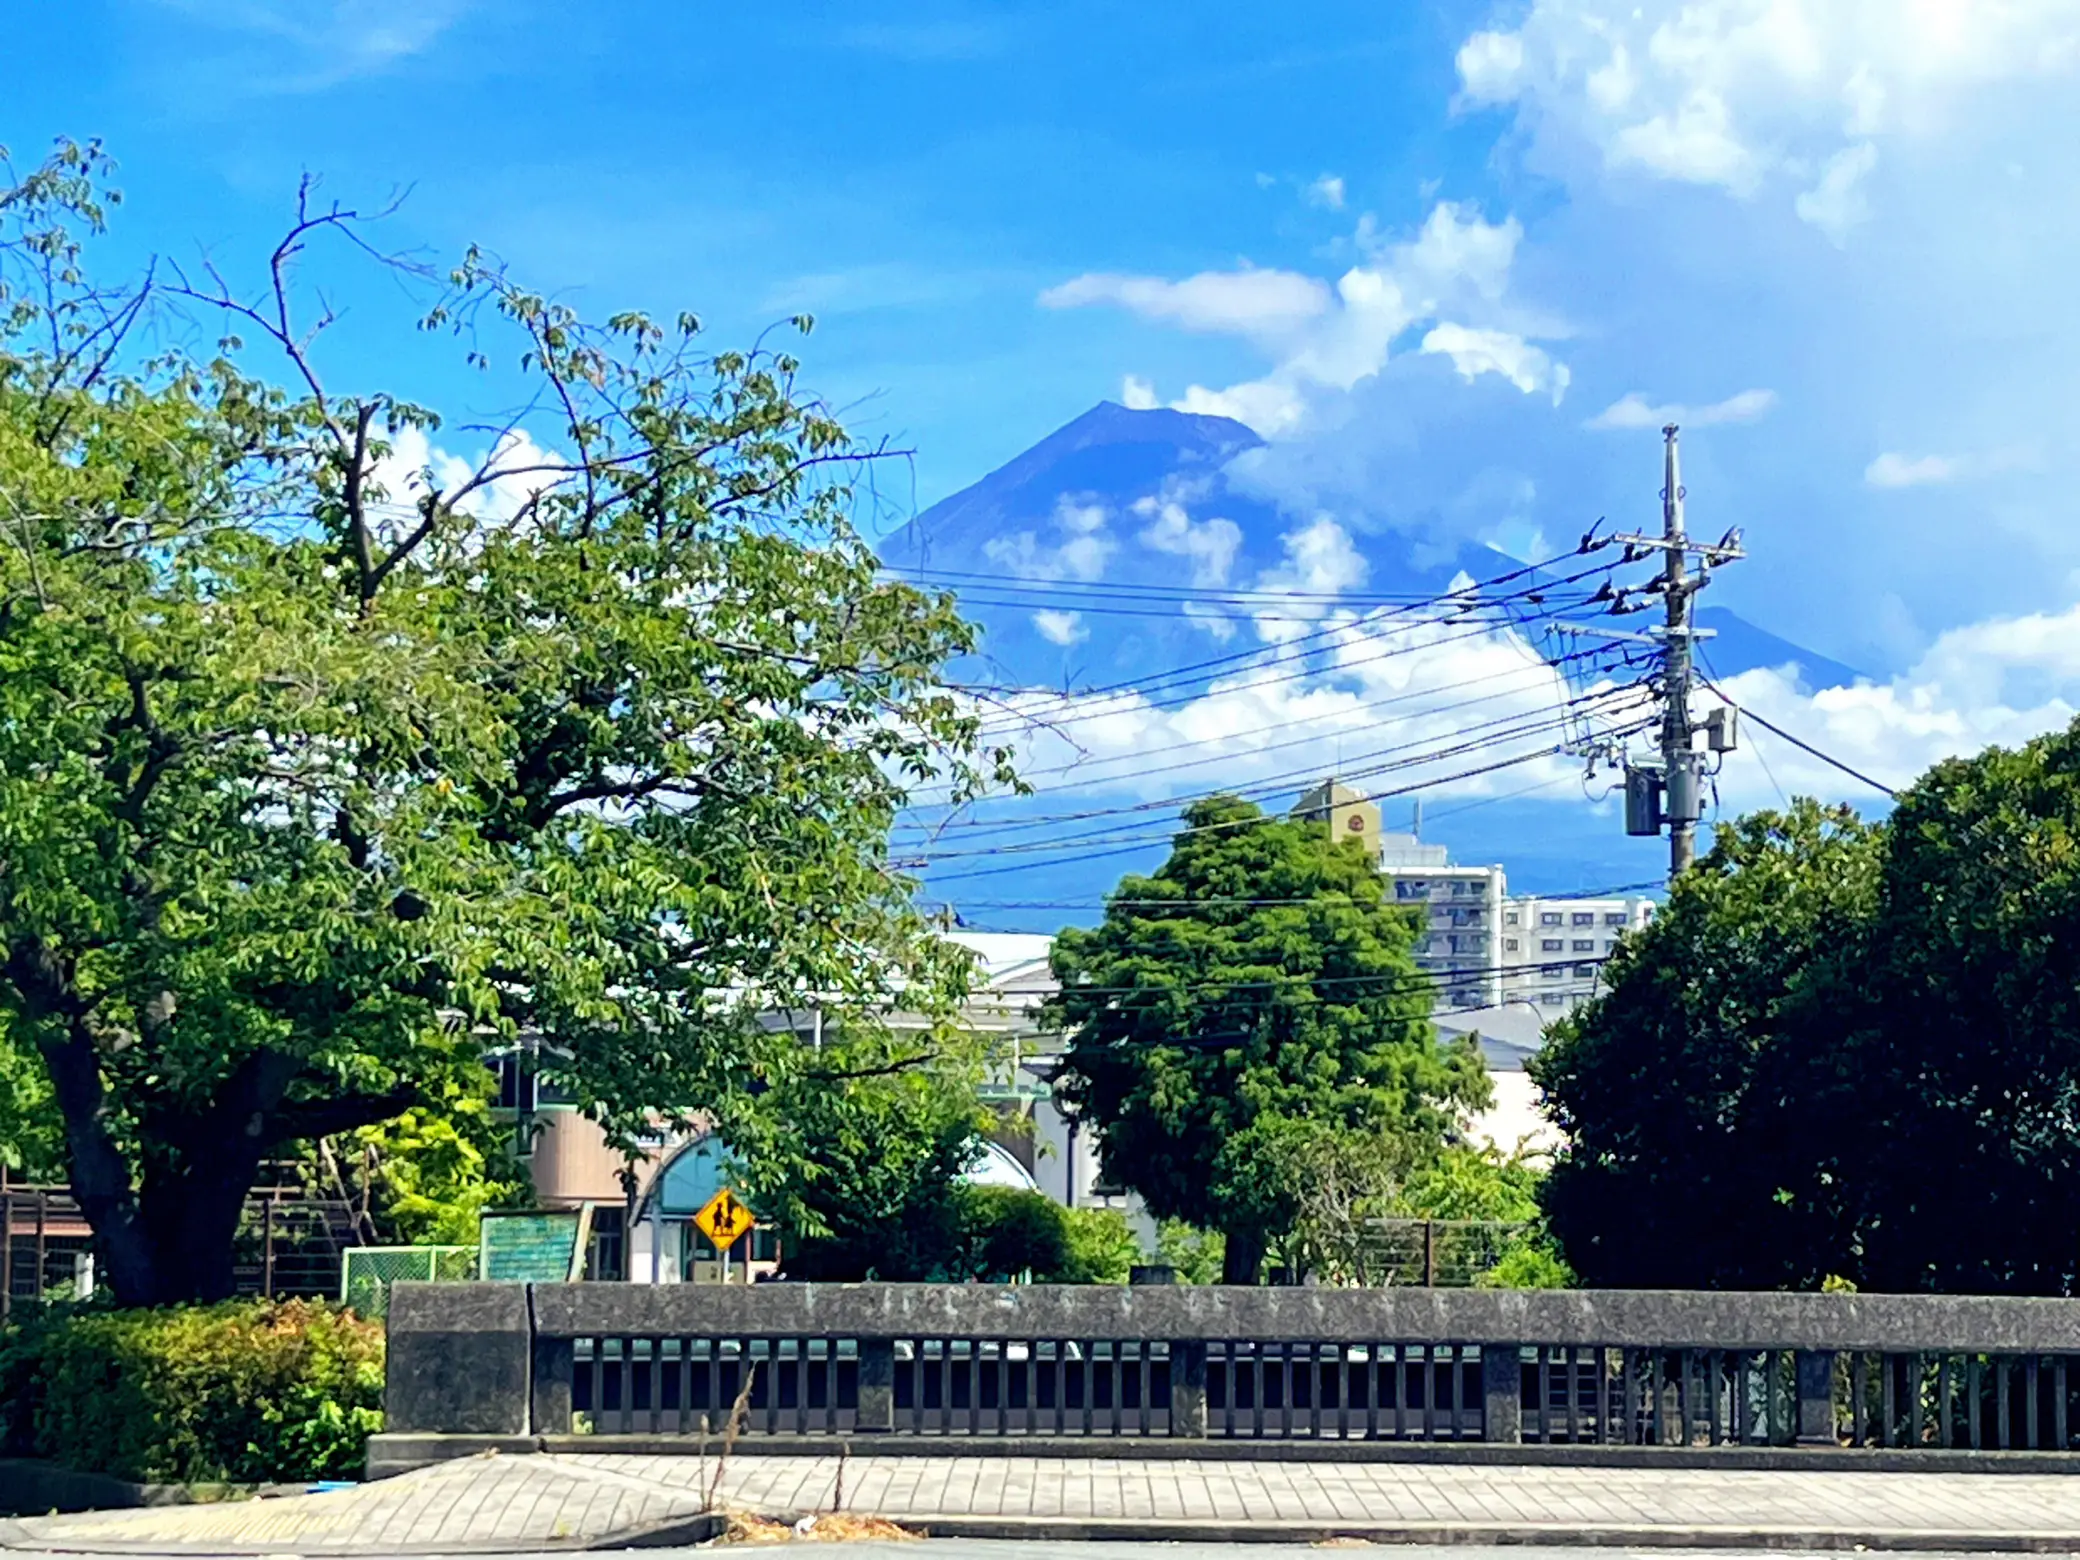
{"x":248,"y":1392}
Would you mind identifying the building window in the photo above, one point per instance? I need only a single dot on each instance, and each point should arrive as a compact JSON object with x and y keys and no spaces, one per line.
{"x":1552,"y":972}
{"x":606,"y":1255}
{"x":1585,"y":945}
{"x":1585,"y":971}
{"x":1512,"y":918}
{"x":1549,"y":918}
{"x":1551,"y":945}
{"x":1511,"y":944}
{"x":1584,"y":918}
{"x":1611,"y":946}
{"x":1551,"y":998}
{"x":1614,"y":918}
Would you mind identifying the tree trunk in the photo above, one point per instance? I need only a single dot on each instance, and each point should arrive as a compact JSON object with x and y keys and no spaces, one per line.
{"x":1242,"y":1260}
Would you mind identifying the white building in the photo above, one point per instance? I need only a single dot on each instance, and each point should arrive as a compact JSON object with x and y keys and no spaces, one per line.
{"x":1553,"y":948}
{"x":1483,"y":946}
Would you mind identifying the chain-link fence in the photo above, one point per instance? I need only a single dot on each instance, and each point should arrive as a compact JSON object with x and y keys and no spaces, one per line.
{"x":369,"y":1271}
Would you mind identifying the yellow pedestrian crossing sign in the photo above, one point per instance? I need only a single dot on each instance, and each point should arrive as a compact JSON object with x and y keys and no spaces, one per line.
{"x":724,"y":1220}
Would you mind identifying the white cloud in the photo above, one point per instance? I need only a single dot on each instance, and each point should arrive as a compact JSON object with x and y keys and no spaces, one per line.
{"x":1267,"y":306}
{"x":1893,"y":470}
{"x":1137,"y":394}
{"x":311,"y":45}
{"x":1837,"y":204}
{"x":1210,"y":619}
{"x":1454,"y":273}
{"x":1635,"y":411}
{"x":1061,"y":628}
{"x":1476,"y":352}
{"x":1320,"y":560}
{"x":512,"y":472}
{"x":1747,"y":94}
{"x":1081,"y":542}
{"x":1211,"y":545}
{"x":1389,"y":703}
{"x":1326,"y":192}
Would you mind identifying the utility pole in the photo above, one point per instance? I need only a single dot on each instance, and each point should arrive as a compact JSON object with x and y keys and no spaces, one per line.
{"x":1668,"y":790}
{"x":1679,"y":764}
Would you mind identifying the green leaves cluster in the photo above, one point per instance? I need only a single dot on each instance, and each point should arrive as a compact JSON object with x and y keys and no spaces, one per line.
{"x":1844,"y":1049}
{"x":318,"y":775}
{"x":250,"y":1392}
{"x":1249,"y":1015}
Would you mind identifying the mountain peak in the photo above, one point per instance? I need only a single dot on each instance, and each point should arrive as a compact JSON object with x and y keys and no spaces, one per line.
{"x":1110,"y":450}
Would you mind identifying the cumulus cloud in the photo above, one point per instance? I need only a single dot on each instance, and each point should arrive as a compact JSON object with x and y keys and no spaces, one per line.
{"x":1060,"y":628}
{"x":1390,"y":710}
{"x":1210,"y":545}
{"x":1320,"y":561}
{"x":1747,"y":95}
{"x":1635,"y":411}
{"x":1078,"y":543}
{"x":510,"y":473}
{"x":1476,"y":352}
{"x":1453,"y":274}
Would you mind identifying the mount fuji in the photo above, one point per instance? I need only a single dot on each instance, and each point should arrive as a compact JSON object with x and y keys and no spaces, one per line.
{"x":1157,"y":624}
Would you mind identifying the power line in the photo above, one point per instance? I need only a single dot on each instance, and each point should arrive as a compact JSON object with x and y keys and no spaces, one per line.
{"x":1577,"y":705}
{"x":1082,"y":766}
{"x":1289,"y":650}
{"x":1544,"y":722}
{"x":1609,"y":892}
{"x":1396,"y":984}
{"x":1797,"y":742}
{"x":1376,"y":796}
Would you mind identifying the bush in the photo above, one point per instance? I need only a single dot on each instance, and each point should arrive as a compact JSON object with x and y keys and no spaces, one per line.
{"x":248,"y":1392}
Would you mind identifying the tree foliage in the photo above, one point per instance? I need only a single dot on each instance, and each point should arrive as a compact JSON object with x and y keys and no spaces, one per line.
{"x":319,"y":774}
{"x":1845,"y":1049}
{"x":1250,"y":1007}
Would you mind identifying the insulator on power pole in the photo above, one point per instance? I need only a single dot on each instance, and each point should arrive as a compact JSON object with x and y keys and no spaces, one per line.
{"x":1642,"y":801}
{"x":1722,"y":729}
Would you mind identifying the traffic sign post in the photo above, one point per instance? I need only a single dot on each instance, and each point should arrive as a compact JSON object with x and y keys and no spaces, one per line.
{"x":725,"y":1221}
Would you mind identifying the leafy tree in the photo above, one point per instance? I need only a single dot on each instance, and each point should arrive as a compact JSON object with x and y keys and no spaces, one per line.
{"x":1257,"y":992}
{"x":319,"y":774}
{"x":1710,"y":1096}
{"x":864,"y":1182}
{"x":1480,"y":1184}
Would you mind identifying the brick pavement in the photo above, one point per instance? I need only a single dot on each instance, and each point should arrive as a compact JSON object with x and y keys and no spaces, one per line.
{"x":529,"y":1503}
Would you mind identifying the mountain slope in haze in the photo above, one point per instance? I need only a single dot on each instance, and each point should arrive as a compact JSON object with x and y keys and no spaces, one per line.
{"x":1129,"y":544}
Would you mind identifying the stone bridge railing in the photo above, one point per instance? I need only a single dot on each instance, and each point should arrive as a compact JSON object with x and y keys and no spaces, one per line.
{"x":490,"y":1364}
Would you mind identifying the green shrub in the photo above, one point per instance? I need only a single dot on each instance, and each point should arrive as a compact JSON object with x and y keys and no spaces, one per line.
{"x":248,"y":1392}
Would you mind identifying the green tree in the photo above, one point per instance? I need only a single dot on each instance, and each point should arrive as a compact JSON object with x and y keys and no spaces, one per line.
{"x":320,"y":774}
{"x":1710,"y":1097}
{"x":1254,"y":996}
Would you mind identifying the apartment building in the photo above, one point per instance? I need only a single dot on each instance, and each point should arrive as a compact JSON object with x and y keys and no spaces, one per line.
{"x":1553,"y":948}
{"x":1481,"y":945}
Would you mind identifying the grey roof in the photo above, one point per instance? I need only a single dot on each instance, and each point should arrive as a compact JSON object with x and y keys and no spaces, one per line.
{"x":1509,"y":1035}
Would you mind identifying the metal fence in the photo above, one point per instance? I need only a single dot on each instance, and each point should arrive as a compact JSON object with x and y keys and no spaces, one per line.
{"x":286,"y":1246}
{"x":1435,"y":1253}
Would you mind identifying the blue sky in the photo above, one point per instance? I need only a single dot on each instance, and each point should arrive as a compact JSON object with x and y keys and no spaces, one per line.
{"x":1456,"y":258}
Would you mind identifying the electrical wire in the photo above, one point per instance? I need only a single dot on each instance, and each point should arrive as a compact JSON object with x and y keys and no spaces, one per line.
{"x":1797,"y":742}
{"x":1376,"y":796}
{"x":1580,"y":705}
{"x":1544,"y":722}
{"x":1081,"y":767}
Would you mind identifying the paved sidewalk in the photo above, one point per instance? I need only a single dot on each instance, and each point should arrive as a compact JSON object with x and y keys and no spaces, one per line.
{"x":525,"y":1504}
